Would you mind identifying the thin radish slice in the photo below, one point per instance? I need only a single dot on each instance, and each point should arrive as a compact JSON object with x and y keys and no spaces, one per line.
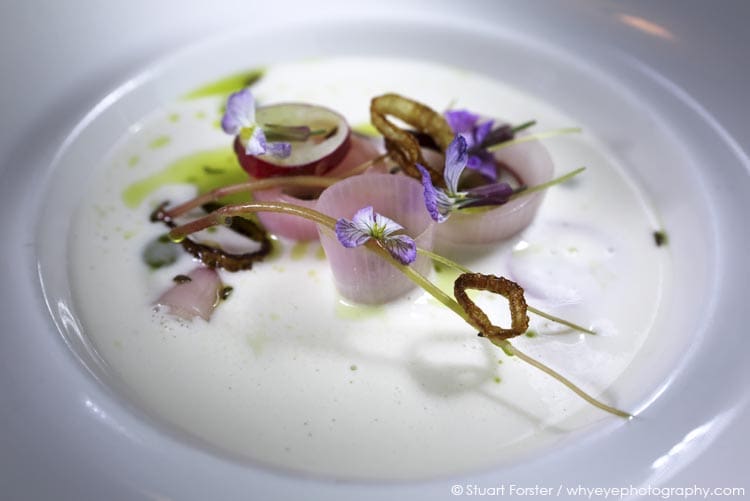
{"x":531,"y":164}
{"x":360,"y":275}
{"x":362,"y":150}
{"x":193,"y":295}
{"x":320,"y":152}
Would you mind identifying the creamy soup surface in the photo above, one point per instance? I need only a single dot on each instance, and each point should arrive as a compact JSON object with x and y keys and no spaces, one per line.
{"x":286,"y":373}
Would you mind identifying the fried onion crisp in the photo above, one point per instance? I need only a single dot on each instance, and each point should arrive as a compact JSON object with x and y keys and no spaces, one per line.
{"x":215,"y":257}
{"x":402,"y":146}
{"x":499,"y":285}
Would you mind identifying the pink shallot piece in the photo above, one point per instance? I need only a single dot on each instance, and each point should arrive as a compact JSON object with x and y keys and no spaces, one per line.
{"x":193,"y":295}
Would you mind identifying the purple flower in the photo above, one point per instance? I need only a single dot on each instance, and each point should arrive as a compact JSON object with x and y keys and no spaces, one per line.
{"x":239,"y":119}
{"x":440,"y":203}
{"x":367,"y":224}
{"x":464,"y":122}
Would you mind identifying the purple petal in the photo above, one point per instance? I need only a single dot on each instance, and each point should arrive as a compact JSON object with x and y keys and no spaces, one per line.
{"x":386,"y":226}
{"x":349,"y":234}
{"x":489,"y":194}
{"x":401,"y":247}
{"x":240,"y":112}
{"x":481,"y":132}
{"x":461,"y":120}
{"x":484,"y":164}
{"x":437,"y":203}
{"x":280,"y":150}
{"x":256,"y":144}
{"x":364,"y":219}
{"x":456,"y":157}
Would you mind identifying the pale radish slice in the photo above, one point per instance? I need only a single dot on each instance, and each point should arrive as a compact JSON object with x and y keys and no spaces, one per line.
{"x":321,"y":151}
{"x":193,"y":295}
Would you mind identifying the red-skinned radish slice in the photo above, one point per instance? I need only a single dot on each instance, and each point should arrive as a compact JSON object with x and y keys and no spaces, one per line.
{"x":324,"y":149}
{"x":362,"y":150}
{"x":193,"y":295}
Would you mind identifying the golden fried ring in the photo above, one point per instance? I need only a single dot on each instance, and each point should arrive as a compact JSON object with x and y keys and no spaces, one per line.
{"x":499,"y":285}
{"x":403,"y":146}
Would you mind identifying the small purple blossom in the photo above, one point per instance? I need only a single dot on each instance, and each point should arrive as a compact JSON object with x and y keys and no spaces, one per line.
{"x":466,"y":124}
{"x":440,"y":203}
{"x":367,"y":224}
{"x":239,"y":119}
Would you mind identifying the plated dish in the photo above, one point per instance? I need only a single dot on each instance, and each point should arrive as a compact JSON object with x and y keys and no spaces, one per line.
{"x":648,"y":376}
{"x":299,"y":362}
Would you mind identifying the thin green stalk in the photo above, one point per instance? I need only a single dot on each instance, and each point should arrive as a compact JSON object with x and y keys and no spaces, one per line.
{"x":268,"y":183}
{"x":540,"y":187}
{"x":508,"y":347}
{"x":222,"y":215}
{"x":525,"y":125}
{"x":460,"y":268}
{"x":533,"y":137}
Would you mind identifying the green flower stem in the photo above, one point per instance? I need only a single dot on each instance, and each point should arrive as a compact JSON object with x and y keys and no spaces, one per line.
{"x":250,"y":186}
{"x":268,"y":183}
{"x":525,"y":125}
{"x":508,"y":347}
{"x":540,"y":187}
{"x":462,"y":269}
{"x":533,"y":137}
{"x":222,"y":216}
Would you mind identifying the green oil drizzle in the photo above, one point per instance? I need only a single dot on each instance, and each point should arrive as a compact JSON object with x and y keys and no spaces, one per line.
{"x":159,"y":142}
{"x":257,"y":342}
{"x":320,"y":253}
{"x":206,"y":170}
{"x":227,"y":85}
{"x":133,"y":161}
{"x":357,"y":311}
{"x":299,"y":250}
{"x":366,"y":129}
{"x":445,"y":278}
{"x":174,"y":117}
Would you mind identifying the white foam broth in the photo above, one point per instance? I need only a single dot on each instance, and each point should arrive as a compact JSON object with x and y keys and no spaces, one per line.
{"x":288,"y":374}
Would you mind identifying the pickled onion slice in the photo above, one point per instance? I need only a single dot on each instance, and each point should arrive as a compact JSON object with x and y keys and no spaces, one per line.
{"x":360,"y":275}
{"x":532,"y":165}
{"x":193,"y":295}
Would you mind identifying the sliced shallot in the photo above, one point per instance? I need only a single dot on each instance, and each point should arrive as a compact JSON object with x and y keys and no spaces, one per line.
{"x":532,"y":165}
{"x":360,"y":275}
{"x":193,"y":295}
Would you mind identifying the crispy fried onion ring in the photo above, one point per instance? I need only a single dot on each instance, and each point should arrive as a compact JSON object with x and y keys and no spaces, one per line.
{"x":214,"y":257}
{"x":402,"y":146}
{"x":499,"y":285}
